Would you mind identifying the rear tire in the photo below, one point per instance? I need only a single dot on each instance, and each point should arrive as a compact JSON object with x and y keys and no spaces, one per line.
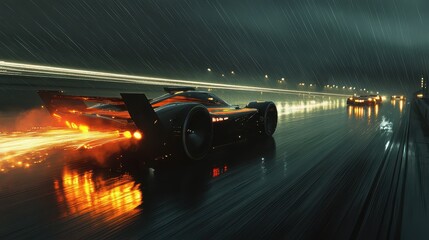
{"x":197,"y":133}
{"x":267,"y":122}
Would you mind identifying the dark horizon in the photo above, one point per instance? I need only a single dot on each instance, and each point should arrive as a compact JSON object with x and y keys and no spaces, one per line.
{"x":378,"y":45}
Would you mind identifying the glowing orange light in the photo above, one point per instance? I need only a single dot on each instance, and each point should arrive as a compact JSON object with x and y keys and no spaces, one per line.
{"x":219,"y":119}
{"x":138,"y":135}
{"x":216,"y":172}
{"x":84,"y":128}
{"x":74,"y":126}
{"x":68,"y":124}
{"x":128,"y":134}
{"x":56,"y":115}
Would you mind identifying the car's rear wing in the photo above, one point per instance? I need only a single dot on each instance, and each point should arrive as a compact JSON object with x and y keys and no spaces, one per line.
{"x":53,"y":100}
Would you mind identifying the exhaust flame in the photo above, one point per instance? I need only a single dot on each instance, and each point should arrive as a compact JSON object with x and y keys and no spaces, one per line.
{"x":22,"y":149}
{"x":29,"y":137}
{"x":138,"y":135}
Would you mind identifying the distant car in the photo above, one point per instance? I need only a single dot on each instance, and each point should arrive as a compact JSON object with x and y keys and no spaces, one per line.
{"x":398,"y":97}
{"x":361,"y":100}
{"x":181,"y":121}
{"x":377,"y":98}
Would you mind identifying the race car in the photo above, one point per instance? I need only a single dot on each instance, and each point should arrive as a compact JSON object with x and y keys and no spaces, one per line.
{"x":377,"y":98}
{"x":361,"y":100}
{"x":183,"y":122}
{"x":397,"y":97}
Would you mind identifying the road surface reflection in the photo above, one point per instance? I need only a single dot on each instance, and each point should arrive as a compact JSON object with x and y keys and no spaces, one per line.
{"x":97,"y":196}
{"x":400,"y":104}
{"x":360,"y":112}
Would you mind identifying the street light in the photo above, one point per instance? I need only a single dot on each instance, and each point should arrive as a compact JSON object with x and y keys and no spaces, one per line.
{"x":209,"y":69}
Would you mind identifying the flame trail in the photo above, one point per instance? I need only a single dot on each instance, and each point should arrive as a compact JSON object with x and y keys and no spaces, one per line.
{"x":26,"y":148}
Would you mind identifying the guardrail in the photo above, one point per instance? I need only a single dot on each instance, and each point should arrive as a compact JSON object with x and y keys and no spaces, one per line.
{"x":423,"y":107}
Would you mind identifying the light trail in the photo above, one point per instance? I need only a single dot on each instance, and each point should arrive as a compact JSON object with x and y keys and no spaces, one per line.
{"x":308,"y":106}
{"x":26,"y":148}
{"x":31,"y":70}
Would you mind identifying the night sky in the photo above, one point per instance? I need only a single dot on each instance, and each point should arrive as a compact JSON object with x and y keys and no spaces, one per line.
{"x":363,"y":43}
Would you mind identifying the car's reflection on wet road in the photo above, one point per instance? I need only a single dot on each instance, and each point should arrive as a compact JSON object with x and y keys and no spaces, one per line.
{"x":99,"y":197}
{"x":311,"y":180}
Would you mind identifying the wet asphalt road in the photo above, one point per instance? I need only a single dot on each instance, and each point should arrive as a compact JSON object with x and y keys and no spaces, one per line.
{"x":330,"y":172}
